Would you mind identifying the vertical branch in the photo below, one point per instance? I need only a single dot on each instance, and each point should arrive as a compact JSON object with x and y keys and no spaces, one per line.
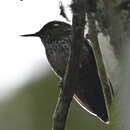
{"x":92,"y":35}
{"x":72,"y":69}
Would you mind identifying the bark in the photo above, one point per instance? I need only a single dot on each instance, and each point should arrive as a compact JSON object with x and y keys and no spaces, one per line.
{"x":71,"y":75}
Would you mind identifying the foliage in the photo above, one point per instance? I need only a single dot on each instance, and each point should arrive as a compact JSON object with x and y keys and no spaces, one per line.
{"x":123,"y":9}
{"x":32,"y":108}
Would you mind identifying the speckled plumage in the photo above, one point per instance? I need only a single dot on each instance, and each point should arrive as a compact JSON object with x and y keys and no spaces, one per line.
{"x":56,"y":37}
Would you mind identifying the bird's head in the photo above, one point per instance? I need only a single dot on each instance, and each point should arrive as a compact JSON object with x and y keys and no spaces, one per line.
{"x":50,"y":28}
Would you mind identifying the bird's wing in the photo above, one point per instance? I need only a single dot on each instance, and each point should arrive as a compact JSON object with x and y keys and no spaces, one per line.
{"x":89,"y":92}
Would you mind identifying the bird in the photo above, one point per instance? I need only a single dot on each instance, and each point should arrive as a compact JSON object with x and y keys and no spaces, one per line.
{"x":56,"y":38}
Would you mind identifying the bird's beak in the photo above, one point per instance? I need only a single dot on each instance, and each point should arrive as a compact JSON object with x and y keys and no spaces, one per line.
{"x":30,"y":35}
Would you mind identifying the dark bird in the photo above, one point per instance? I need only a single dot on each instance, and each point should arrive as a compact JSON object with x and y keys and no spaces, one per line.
{"x":56,"y":38}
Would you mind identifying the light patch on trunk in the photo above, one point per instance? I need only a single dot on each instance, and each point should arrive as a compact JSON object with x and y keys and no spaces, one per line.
{"x":111,"y":63}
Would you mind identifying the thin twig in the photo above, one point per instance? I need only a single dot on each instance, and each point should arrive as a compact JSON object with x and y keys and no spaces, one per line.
{"x":62,"y":11}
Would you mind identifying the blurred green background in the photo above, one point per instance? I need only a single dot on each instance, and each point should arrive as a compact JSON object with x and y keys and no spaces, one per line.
{"x":31,"y":108}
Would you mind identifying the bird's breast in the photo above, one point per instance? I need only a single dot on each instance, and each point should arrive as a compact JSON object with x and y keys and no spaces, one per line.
{"x":57,"y":54}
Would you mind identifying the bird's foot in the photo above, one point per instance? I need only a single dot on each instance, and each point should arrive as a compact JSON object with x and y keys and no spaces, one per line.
{"x":60,"y":85}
